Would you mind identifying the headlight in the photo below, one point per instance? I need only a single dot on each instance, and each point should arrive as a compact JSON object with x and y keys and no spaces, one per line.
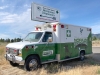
{"x":13,"y":51}
{"x":20,"y":52}
{"x":16,"y":51}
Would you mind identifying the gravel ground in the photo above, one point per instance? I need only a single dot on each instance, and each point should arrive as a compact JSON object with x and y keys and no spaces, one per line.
{"x":96,"y":53}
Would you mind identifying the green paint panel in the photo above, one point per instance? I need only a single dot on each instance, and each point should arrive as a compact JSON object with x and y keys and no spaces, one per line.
{"x":66,"y":50}
{"x":89,"y":48}
{"x":39,"y":50}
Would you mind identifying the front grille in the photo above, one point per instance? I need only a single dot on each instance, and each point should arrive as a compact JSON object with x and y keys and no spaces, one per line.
{"x":11,"y":51}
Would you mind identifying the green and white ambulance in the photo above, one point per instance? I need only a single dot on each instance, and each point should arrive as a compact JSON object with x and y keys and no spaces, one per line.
{"x":48,"y":43}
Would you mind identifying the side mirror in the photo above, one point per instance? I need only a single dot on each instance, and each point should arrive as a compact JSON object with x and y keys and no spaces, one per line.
{"x":50,"y":39}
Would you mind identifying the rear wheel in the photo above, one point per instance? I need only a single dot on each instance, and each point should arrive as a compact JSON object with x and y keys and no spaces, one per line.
{"x":82,"y":56}
{"x":32,"y":63}
{"x":13,"y":64}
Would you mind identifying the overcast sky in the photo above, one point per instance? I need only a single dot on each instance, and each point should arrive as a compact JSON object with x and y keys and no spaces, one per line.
{"x":15,"y":15}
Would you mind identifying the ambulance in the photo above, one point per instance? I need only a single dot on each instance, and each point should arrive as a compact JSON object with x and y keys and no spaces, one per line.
{"x":50,"y":42}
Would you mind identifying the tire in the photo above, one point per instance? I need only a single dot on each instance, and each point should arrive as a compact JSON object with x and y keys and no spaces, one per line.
{"x":82,"y":56}
{"x":13,"y":64}
{"x":32,"y":63}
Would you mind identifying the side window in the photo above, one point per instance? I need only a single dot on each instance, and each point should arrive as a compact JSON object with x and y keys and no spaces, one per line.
{"x":46,"y":36}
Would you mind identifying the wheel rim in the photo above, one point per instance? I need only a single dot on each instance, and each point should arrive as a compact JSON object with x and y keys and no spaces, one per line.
{"x":33,"y":64}
{"x":82,"y":56}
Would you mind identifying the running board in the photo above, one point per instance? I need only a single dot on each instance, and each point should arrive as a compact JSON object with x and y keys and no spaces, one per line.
{"x":68,"y":59}
{"x":48,"y":61}
{"x":59,"y":60}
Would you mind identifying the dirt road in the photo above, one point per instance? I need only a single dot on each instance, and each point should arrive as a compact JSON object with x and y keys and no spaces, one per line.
{"x":96,"y":49}
{"x":96,"y":53}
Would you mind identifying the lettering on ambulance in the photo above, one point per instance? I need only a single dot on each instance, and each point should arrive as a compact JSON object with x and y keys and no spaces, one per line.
{"x":81,"y":30}
{"x":47,"y":53}
{"x":80,"y":42}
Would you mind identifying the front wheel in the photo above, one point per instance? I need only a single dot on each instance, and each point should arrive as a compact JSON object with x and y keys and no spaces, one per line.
{"x":31,"y":63}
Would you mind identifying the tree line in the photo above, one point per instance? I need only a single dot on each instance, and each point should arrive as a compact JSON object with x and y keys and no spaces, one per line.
{"x":10,"y":40}
{"x":94,"y":38}
{"x":19,"y":39}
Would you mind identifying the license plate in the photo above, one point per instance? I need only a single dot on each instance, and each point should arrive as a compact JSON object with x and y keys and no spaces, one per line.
{"x":13,"y":58}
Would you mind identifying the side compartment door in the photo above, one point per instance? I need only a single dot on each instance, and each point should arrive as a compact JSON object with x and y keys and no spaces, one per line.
{"x":48,"y":48}
{"x":67,"y":45}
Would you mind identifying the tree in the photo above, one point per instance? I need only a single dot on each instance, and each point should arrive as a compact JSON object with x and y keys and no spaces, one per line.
{"x":15,"y":40}
{"x":18,"y":39}
{"x":94,"y":38}
{"x":7,"y":40}
{"x":12,"y":40}
{"x":0,"y":39}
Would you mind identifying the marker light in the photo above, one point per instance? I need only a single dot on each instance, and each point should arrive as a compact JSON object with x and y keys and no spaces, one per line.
{"x":26,"y":47}
{"x":36,"y":28}
{"x":88,"y":29}
{"x":15,"y":51}
{"x":62,"y":26}
{"x":32,"y":46}
{"x":54,"y":27}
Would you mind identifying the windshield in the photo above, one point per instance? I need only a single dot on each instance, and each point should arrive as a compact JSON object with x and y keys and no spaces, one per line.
{"x":33,"y":36}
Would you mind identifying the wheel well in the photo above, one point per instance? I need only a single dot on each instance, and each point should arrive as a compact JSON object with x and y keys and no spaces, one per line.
{"x":33,"y":55}
{"x":82,"y":51}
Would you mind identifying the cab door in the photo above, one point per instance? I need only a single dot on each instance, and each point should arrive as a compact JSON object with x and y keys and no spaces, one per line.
{"x":48,"y":48}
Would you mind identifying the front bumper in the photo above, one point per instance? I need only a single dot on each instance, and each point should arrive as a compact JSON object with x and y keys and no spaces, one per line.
{"x":14,"y":59}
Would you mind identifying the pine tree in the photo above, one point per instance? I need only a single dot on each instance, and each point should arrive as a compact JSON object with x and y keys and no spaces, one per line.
{"x":15,"y":40}
{"x":12,"y":40}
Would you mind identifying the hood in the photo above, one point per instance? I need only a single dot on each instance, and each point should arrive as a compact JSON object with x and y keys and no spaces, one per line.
{"x":20,"y":45}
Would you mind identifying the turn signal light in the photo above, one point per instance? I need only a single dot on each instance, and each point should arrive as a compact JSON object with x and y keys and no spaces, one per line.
{"x":29,"y":47}
{"x":15,"y":51}
{"x":54,"y":27}
{"x":36,"y":28}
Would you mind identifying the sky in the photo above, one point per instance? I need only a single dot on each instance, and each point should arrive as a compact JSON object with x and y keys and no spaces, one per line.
{"x":15,"y":15}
